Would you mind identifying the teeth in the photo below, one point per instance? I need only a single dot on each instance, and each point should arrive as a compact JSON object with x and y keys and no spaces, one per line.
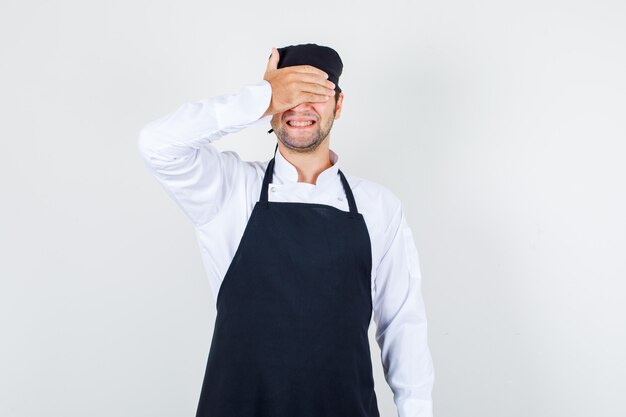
{"x":294,"y":123}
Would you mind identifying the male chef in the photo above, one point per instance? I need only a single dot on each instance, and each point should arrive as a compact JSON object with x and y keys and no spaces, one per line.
{"x":300,"y":255}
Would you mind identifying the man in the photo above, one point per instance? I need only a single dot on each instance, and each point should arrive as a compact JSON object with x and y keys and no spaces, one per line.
{"x":308,"y":254}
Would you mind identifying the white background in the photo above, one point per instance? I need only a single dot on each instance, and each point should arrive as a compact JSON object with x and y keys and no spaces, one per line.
{"x":500,"y":125}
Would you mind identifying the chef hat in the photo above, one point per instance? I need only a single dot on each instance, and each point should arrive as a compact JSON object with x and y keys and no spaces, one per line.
{"x":322,"y":57}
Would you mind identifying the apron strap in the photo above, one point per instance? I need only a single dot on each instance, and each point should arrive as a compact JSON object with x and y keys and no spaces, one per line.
{"x":267,"y":178}
{"x":266,"y":182}
{"x":269,"y":173}
{"x":349,"y":195}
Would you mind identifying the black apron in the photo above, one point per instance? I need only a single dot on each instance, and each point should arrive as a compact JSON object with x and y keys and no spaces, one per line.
{"x":293,"y":310}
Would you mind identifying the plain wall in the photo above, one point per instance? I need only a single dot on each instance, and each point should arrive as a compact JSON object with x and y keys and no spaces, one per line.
{"x":500,"y":125}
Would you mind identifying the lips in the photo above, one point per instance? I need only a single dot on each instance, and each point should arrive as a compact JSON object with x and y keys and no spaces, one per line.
{"x":300,"y":123}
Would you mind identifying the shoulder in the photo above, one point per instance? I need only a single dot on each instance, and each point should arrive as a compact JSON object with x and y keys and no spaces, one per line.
{"x":250,"y":172}
{"x":374,"y":200}
{"x":251,"y":168}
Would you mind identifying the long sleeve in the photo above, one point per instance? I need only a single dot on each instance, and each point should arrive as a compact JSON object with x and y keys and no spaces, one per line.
{"x":401,"y":327}
{"x":177,"y":148}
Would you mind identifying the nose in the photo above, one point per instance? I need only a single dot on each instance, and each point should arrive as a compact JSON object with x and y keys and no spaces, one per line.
{"x":302,"y":106}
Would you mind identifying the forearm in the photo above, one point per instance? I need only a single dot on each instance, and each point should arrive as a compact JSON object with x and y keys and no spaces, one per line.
{"x":177,"y":149}
{"x":195,"y":124}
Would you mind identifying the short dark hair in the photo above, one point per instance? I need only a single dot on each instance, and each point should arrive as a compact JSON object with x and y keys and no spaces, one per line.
{"x":337,"y":91}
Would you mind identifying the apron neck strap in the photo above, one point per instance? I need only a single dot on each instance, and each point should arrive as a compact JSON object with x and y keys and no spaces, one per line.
{"x":269,"y":174}
{"x":349,"y":195}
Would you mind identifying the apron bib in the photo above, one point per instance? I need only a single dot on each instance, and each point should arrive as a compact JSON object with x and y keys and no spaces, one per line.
{"x":293,"y":310}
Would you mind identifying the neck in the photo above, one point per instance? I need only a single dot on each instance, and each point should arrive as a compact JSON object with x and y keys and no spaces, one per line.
{"x":308,"y":164}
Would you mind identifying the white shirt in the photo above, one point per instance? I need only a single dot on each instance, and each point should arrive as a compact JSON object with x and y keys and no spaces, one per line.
{"x":217,"y":191}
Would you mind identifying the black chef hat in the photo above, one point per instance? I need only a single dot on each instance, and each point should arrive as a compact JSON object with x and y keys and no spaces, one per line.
{"x":322,"y":57}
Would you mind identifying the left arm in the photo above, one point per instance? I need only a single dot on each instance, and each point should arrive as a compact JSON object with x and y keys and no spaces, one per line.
{"x":400,"y":317}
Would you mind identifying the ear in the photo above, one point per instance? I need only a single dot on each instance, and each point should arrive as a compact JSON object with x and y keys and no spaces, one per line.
{"x":338,"y":106}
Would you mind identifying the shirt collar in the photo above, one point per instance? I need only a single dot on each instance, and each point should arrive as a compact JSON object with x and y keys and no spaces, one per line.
{"x":286,"y":172}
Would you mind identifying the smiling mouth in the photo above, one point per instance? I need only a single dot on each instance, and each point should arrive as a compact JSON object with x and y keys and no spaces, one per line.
{"x":300,"y":124}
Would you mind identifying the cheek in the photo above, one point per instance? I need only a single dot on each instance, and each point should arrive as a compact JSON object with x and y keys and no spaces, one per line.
{"x":322,"y":108}
{"x":276,"y":119}
{"x":325,"y":111}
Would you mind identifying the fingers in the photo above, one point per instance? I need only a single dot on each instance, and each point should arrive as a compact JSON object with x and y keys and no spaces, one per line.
{"x":313,"y":98}
{"x":317,"y":89}
{"x":314,"y":93}
{"x":309,"y":69}
{"x":310,"y":78}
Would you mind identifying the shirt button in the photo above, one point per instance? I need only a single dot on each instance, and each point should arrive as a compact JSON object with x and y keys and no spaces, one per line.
{"x":273,"y":189}
{"x":340,"y":198}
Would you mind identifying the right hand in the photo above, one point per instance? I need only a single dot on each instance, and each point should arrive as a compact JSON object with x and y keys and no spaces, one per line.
{"x":294,"y":85}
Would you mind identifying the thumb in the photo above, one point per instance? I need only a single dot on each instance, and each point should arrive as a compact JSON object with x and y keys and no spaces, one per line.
{"x":273,"y":61}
